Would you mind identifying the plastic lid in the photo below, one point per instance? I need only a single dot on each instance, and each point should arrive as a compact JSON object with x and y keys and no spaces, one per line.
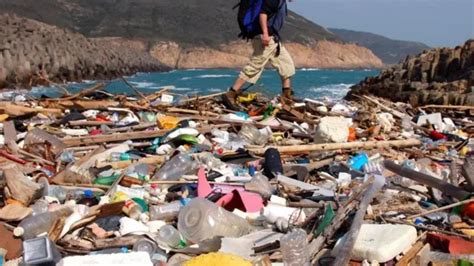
{"x":88,"y":193}
{"x":18,"y":231}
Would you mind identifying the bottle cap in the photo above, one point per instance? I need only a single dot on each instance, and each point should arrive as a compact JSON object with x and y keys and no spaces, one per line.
{"x":88,"y":193}
{"x":18,"y":231}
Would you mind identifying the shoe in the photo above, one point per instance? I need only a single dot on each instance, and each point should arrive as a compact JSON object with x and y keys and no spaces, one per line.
{"x":287,"y":95}
{"x":230,"y":100}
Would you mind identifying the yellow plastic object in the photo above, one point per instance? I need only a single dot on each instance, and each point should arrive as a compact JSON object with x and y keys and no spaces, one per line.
{"x":168,"y":122}
{"x":119,"y":196}
{"x":217,"y":259}
{"x":464,"y":150}
{"x":245,"y":99}
{"x":3,"y":117}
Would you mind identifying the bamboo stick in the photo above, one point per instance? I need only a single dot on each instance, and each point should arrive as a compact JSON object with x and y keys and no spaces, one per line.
{"x":124,"y":164}
{"x":86,"y":140}
{"x":338,"y":146}
{"x":447,"y":207}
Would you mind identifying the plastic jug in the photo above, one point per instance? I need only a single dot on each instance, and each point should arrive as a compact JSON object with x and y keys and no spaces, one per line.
{"x":201,"y":219}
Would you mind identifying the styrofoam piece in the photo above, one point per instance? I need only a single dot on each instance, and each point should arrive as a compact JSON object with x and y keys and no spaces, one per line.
{"x":381,"y":242}
{"x":133,"y":258}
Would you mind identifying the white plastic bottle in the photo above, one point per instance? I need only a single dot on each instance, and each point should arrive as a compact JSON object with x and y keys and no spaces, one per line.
{"x":171,"y":236}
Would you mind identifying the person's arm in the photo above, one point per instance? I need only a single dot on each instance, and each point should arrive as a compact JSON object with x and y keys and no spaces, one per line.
{"x":264,"y":25}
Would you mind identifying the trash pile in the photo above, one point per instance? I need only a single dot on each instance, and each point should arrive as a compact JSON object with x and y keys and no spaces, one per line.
{"x":98,"y":179}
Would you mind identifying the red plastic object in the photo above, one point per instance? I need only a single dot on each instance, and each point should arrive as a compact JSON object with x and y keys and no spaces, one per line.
{"x":450,"y":244}
{"x":95,"y":132}
{"x":435,"y":135}
{"x":468,"y":210}
{"x":12,"y":157}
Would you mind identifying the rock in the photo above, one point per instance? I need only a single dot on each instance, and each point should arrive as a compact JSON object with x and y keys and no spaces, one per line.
{"x":437,"y":76}
{"x":27,"y":46}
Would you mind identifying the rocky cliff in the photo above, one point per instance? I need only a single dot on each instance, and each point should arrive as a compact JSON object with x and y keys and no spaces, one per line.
{"x":190,"y":33}
{"x":34,"y":53}
{"x":437,"y":76}
{"x":322,"y":54}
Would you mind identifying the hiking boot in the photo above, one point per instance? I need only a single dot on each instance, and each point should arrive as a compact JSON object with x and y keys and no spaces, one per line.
{"x":230,"y":100}
{"x":287,"y":95}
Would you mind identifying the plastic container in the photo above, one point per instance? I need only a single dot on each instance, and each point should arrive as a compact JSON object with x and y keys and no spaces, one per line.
{"x":253,"y":136}
{"x":167,"y":211}
{"x":132,"y":209}
{"x":175,"y":168}
{"x":40,"y":251}
{"x":35,"y":225}
{"x":380,"y":242}
{"x":39,"y":136}
{"x":171,"y":236}
{"x":358,"y":162}
{"x":201,"y":219}
{"x":294,"y":248}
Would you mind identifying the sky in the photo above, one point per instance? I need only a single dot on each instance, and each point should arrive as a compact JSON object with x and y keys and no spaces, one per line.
{"x":433,"y":22}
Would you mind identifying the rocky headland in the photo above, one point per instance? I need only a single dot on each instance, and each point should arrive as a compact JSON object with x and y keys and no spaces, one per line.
{"x":437,"y":76}
{"x":34,"y":53}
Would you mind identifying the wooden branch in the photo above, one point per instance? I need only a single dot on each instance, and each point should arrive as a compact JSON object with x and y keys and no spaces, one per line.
{"x":447,"y":207}
{"x":338,"y":146}
{"x":15,"y":110}
{"x":87,"y":140}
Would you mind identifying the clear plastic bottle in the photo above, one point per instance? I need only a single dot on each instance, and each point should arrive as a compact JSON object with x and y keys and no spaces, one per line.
{"x":171,"y":236}
{"x":201,"y":219}
{"x":123,"y":156}
{"x":294,"y":248}
{"x":39,"y":207}
{"x":253,"y":136}
{"x":175,"y":168}
{"x":35,"y":225}
{"x":167,"y":211}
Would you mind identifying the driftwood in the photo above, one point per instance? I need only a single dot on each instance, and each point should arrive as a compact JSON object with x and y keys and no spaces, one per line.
{"x":337,"y":146}
{"x":15,"y":110}
{"x":123,"y":164}
{"x":428,"y":180}
{"x":87,"y":140}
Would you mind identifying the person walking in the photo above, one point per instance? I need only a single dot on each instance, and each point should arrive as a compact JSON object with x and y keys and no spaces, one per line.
{"x":261,"y":21}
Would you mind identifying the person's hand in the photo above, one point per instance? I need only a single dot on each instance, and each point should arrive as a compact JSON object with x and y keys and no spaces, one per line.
{"x":266,"y":40}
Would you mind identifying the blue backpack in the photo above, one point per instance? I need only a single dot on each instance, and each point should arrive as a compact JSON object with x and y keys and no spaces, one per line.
{"x":248,"y":18}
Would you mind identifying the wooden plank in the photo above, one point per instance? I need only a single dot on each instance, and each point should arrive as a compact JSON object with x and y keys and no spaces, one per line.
{"x":87,"y":140}
{"x":338,"y":146}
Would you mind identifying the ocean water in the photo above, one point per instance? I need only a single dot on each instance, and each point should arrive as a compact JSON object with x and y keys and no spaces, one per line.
{"x":313,"y":83}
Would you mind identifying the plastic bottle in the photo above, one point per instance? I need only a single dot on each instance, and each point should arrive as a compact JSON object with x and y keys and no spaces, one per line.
{"x":294,"y":248}
{"x":35,"y":225}
{"x":167,"y":211}
{"x":253,"y":136}
{"x":132,"y":209}
{"x":39,"y":207}
{"x":201,"y":219}
{"x":145,"y":245}
{"x":171,"y":236}
{"x":175,"y":168}
{"x":123,"y":156}
{"x":88,"y":198}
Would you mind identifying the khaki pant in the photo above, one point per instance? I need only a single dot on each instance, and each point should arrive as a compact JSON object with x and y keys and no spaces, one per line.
{"x":260,"y":57}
